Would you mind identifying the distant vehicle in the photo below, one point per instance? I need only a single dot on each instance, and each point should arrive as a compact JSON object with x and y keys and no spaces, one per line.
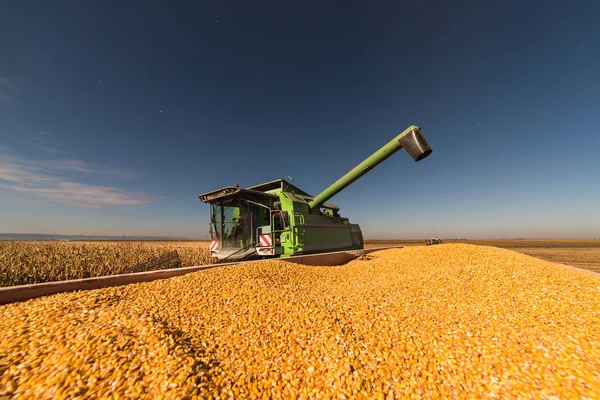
{"x":433,"y":240}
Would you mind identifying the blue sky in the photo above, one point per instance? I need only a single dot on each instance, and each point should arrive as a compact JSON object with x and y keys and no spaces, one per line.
{"x":115,"y":115}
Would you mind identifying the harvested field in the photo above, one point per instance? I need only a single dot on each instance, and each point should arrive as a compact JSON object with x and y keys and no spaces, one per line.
{"x":442,"y":321}
{"x":585,"y":257}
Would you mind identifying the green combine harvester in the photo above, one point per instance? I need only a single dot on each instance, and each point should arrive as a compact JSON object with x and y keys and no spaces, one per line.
{"x":277,"y":219}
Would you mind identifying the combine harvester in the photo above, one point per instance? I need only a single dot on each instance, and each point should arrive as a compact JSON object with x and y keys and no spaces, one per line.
{"x":275,"y":219}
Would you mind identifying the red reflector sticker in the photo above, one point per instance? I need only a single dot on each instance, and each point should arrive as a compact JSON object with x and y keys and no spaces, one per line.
{"x":265,"y":241}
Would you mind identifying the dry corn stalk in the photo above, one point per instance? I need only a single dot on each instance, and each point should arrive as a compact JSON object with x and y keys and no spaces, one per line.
{"x":35,"y":262}
{"x":422,"y":322}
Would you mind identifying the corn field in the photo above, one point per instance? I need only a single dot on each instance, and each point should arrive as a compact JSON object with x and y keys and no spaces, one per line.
{"x":441,"y":322}
{"x":35,"y":262}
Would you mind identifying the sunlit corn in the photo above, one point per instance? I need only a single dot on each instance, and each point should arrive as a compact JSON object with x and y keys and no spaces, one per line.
{"x":35,"y":262}
{"x":443,"y":321}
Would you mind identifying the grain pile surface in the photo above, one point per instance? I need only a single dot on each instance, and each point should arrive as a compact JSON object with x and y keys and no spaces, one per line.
{"x":422,"y":322}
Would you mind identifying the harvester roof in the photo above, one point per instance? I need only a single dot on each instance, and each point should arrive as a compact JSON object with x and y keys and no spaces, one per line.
{"x":231,"y":191}
{"x":285,"y":186}
{"x":279,"y":184}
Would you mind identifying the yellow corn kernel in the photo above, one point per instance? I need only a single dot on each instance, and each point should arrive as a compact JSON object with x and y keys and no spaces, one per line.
{"x":441,"y":321}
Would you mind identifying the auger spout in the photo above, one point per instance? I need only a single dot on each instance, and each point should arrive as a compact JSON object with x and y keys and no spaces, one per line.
{"x":411,"y":139}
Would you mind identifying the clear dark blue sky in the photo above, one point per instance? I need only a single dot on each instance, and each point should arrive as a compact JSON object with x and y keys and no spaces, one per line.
{"x":115,"y":115}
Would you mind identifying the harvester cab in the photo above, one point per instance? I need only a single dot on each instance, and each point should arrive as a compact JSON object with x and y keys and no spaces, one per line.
{"x":278,"y":219}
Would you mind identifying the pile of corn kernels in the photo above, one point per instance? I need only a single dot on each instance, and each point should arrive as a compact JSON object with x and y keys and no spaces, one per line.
{"x":441,"y":321}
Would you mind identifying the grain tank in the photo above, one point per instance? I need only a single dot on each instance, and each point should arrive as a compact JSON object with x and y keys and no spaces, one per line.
{"x":278,"y":219}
